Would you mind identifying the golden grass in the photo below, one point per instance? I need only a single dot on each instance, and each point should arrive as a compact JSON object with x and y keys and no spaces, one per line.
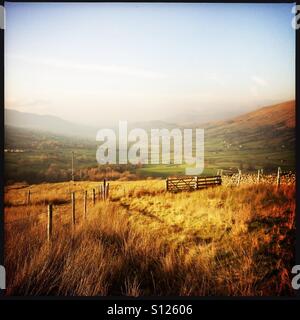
{"x":144,"y":241}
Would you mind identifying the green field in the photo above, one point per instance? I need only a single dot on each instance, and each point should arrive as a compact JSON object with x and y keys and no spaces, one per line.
{"x":47,"y":157}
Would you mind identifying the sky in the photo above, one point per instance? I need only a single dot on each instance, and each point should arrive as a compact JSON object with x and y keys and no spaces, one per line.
{"x":98,"y":63}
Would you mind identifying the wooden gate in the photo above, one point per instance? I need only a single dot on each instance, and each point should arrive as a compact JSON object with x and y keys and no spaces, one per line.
{"x":189,"y":183}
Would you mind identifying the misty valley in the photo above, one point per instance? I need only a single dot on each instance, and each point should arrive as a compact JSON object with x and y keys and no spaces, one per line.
{"x":249,"y":142}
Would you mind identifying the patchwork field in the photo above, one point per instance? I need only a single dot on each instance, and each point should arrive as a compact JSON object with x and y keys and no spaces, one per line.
{"x":226,"y":240}
{"x":264,"y":139}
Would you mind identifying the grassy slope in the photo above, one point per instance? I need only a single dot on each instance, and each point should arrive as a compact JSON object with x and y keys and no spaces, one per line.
{"x":221,"y":241}
{"x":264,"y":138}
{"x":261,"y":139}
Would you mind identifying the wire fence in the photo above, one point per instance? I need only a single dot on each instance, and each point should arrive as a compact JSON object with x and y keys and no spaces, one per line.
{"x":54,"y":208}
{"x":75,"y":201}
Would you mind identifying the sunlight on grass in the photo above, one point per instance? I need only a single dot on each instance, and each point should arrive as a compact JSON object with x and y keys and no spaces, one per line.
{"x":145,"y":241}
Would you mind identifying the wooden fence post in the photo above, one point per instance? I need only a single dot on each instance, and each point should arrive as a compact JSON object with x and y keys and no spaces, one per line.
{"x":239,"y":177}
{"x":104,"y":189}
{"x":107,"y":191}
{"x":94,"y":198}
{"x":258,"y":175}
{"x":167,"y":185}
{"x":196,"y":182}
{"x":49,"y":227}
{"x":278,"y":177}
{"x":85,"y":203}
{"x":73,"y":209}
{"x":28,"y":197}
{"x":101,"y":193}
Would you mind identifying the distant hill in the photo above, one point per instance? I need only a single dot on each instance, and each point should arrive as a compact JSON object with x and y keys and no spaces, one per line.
{"x":33,"y":139}
{"x":59,"y":126}
{"x":264,"y":138}
{"x":280,"y":116}
{"x":47,"y":123}
{"x":268,"y":124}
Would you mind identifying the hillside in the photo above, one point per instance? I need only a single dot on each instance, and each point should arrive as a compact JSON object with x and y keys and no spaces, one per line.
{"x":144,"y":241}
{"x":268,"y":127}
{"x":280,"y":115}
{"x":264,"y":138}
{"x":47,"y":123}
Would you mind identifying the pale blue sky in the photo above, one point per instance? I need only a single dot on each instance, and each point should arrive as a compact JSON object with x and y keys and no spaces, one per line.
{"x":88,"y":62}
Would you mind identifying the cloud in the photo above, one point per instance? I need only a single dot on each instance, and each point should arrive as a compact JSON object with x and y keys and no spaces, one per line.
{"x":86,"y":67}
{"x":259,"y":81}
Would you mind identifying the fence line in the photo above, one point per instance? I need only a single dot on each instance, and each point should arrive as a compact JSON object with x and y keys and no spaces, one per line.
{"x":103,"y":191}
{"x":102,"y":195}
{"x":189,"y":183}
{"x":184,"y":183}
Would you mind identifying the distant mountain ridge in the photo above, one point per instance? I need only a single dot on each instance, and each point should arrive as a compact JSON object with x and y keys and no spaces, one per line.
{"x":47,"y":123}
{"x":264,"y":138}
{"x":53,"y":124}
{"x":276,"y":117}
{"x":282,"y":114}
{"x":271,"y":127}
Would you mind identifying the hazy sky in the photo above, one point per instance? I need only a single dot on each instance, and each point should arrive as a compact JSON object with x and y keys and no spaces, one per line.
{"x":91,"y":63}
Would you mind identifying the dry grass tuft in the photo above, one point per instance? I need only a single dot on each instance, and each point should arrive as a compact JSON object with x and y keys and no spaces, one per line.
{"x":144,"y":241}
